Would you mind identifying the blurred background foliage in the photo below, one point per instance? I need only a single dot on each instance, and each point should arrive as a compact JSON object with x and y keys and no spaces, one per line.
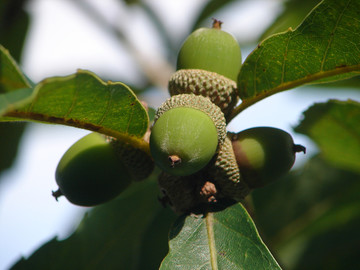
{"x":309,"y":219}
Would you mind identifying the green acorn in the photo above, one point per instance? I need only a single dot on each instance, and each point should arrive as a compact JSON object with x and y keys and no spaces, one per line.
{"x":264,"y":154}
{"x":211,"y":49}
{"x":208,"y":64}
{"x":188,"y":130}
{"x":92,"y":171}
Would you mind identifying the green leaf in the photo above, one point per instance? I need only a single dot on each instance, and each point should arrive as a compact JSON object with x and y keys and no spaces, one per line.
{"x":314,"y":209}
{"x":293,"y":13}
{"x":226,"y":239}
{"x":323,"y":47}
{"x":15,"y":90}
{"x":114,"y":235}
{"x":14,"y":23}
{"x":11,"y":78}
{"x":10,"y":135}
{"x":334,"y":126}
{"x":83,"y":100}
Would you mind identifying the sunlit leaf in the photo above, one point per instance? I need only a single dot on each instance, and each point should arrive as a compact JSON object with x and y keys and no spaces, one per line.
{"x":335,"y":127}
{"x":226,"y":239}
{"x":323,"y":47}
{"x":84,"y":101}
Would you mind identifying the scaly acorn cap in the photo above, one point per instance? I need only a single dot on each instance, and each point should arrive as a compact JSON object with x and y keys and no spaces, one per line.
{"x":139,"y":163}
{"x":222,"y":91}
{"x":188,"y":131}
{"x":226,"y":174}
{"x":200,"y":103}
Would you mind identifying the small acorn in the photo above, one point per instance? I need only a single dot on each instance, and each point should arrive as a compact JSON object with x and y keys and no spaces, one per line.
{"x":187,"y":132}
{"x":264,"y":154}
{"x":92,"y":171}
{"x":208,"y":64}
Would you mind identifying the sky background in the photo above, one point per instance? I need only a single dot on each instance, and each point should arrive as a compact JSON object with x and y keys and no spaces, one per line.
{"x":61,"y":40}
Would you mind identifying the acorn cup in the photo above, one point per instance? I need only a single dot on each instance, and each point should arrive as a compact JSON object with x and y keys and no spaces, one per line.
{"x":264,"y":154}
{"x":208,"y":64}
{"x":188,"y":131}
{"x":225,"y":174}
{"x":93,"y":170}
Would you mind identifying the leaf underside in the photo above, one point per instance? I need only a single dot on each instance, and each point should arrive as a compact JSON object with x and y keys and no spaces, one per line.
{"x":114,"y":235}
{"x":334,"y":126}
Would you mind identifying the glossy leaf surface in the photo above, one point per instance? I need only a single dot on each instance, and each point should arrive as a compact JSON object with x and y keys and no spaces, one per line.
{"x":323,"y":48}
{"x":227,"y":239}
{"x":83,"y":100}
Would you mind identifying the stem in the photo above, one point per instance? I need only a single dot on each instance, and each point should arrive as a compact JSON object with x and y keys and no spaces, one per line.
{"x":57,"y":194}
{"x":216,"y":24}
{"x":299,"y":148}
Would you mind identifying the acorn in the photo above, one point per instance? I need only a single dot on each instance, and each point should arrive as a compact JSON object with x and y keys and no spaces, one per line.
{"x":92,"y":171}
{"x":208,"y":64}
{"x":211,"y":49}
{"x":187,"y":132}
{"x":264,"y":154}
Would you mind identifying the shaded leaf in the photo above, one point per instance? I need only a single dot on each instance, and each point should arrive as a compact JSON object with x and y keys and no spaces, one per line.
{"x":15,"y":90}
{"x":307,"y":205}
{"x":11,"y":77}
{"x":226,"y":239}
{"x":83,"y":100}
{"x":114,"y":235}
{"x":323,"y":47}
{"x":14,"y":23}
{"x":10,"y":135}
{"x":334,"y":126}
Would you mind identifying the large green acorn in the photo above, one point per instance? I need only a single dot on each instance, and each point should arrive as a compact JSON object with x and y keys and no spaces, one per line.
{"x":208,"y":64}
{"x":264,"y":154}
{"x":211,"y":49}
{"x":92,"y":171}
{"x":188,"y":130}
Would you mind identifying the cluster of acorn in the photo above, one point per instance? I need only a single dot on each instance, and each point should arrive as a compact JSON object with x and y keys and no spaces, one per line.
{"x":200,"y":161}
